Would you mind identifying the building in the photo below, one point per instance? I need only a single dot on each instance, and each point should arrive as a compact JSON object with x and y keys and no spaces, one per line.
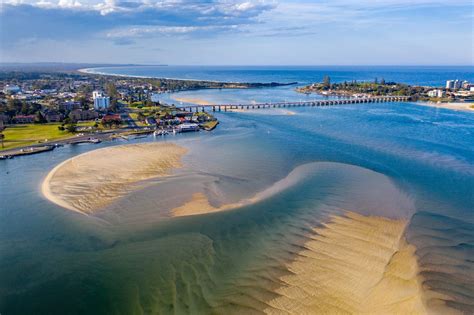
{"x":11,"y":89}
{"x":69,"y":105}
{"x":101,"y":102}
{"x":112,"y":118}
{"x":24,"y":119}
{"x":457,"y":84}
{"x":150,"y":121}
{"x":450,"y":84}
{"x":188,"y":127}
{"x":79,"y":114}
{"x":436,"y":93}
{"x":4,"y":118}
{"x":52,"y":116}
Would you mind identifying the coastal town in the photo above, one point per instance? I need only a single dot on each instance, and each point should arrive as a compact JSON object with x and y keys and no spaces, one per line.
{"x":454,"y":91}
{"x":40,"y":111}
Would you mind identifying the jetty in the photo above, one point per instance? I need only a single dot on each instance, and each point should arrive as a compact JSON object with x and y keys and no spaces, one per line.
{"x":314,"y":103}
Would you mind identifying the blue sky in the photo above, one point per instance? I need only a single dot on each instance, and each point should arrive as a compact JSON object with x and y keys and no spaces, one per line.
{"x":226,"y":32}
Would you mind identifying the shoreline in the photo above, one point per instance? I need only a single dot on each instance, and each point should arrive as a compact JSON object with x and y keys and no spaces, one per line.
{"x":199,"y":202}
{"x":92,"y":180}
{"x":265,"y":84}
{"x":458,"y":106}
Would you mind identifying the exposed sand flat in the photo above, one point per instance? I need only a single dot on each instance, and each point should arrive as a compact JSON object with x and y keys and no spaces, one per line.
{"x":353,"y":265}
{"x":192,"y":100}
{"x":94,"y":179}
{"x":199,"y":203}
{"x":456,"y":106}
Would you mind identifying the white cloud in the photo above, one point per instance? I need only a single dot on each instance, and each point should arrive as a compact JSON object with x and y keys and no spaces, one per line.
{"x":142,"y":31}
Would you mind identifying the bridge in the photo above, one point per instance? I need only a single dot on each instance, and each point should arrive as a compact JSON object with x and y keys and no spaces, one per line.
{"x":328,"y":102}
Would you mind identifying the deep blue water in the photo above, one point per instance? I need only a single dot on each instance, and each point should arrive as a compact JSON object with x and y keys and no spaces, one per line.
{"x":417,"y":75}
{"x":57,"y":262}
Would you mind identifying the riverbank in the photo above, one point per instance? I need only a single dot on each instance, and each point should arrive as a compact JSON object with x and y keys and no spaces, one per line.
{"x":95,"y":179}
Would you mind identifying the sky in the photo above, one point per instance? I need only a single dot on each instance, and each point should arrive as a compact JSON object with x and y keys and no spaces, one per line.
{"x":227,"y":32}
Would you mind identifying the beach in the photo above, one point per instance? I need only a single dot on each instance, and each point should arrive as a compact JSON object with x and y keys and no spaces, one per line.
{"x":93,"y":180}
{"x":465,"y":106}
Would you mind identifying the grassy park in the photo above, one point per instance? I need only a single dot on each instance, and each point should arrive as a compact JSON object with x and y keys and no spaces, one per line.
{"x":23,"y":135}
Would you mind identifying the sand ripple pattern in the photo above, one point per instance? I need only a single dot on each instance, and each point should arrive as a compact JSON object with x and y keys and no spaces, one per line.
{"x":354,"y":264}
{"x":95,"y":179}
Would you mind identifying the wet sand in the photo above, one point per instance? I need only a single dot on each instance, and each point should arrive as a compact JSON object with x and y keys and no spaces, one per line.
{"x":199,"y":203}
{"x":455,"y":106}
{"x":354,"y":264}
{"x":95,"y":179}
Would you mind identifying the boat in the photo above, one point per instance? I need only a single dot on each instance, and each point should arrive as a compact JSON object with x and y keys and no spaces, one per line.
{"x":160,"y":133}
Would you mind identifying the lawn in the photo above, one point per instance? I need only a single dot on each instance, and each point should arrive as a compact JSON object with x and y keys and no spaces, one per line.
{"x":134,"y":116}
{"x":23,"y":135}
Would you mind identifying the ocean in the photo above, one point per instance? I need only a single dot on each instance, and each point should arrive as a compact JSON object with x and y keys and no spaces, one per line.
{"x":401,"y":161}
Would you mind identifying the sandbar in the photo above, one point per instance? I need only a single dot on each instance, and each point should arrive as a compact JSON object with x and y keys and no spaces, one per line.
{"x":93,"y":180}
{"x":199,"y":203}
{"x":354,"y":264}
{"x":465,"y":106}
{"x":192,"y":100}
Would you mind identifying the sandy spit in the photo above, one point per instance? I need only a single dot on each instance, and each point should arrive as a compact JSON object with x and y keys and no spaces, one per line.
{"x":199,"y":203}
{"x":93,"y":180}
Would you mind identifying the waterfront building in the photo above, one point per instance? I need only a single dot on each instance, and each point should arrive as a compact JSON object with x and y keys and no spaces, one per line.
{"x":450,"y":84}
{"x":457,"y":84}
{"x":101,"y":102}
{"x":188,"y":127}
{"x":436,"y":93}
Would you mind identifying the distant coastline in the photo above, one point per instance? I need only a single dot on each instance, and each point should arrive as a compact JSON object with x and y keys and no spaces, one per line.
{"x":92,"y":71}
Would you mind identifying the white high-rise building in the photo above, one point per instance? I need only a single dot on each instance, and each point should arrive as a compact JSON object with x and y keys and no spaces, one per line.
{"x":101,"y":102}
{"x":436,"y":93}
{"x":450,"y":84}
{"x":457,"y":84}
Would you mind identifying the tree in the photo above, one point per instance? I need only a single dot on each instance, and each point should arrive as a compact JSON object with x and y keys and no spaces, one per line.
{"x":327,"y":82}
{"x":25,"y":108}
{"x":140,"y":116}
{"x":39,"y":119}
{"x":112,"y":92}
{"x":71,"y":127}
{"x":382,"y":82}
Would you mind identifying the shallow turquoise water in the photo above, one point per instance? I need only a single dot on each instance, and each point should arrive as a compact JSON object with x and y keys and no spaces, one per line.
{"x":392,"y":159}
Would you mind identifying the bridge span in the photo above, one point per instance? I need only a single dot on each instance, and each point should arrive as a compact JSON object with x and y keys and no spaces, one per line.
{"x":328,"y":102}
